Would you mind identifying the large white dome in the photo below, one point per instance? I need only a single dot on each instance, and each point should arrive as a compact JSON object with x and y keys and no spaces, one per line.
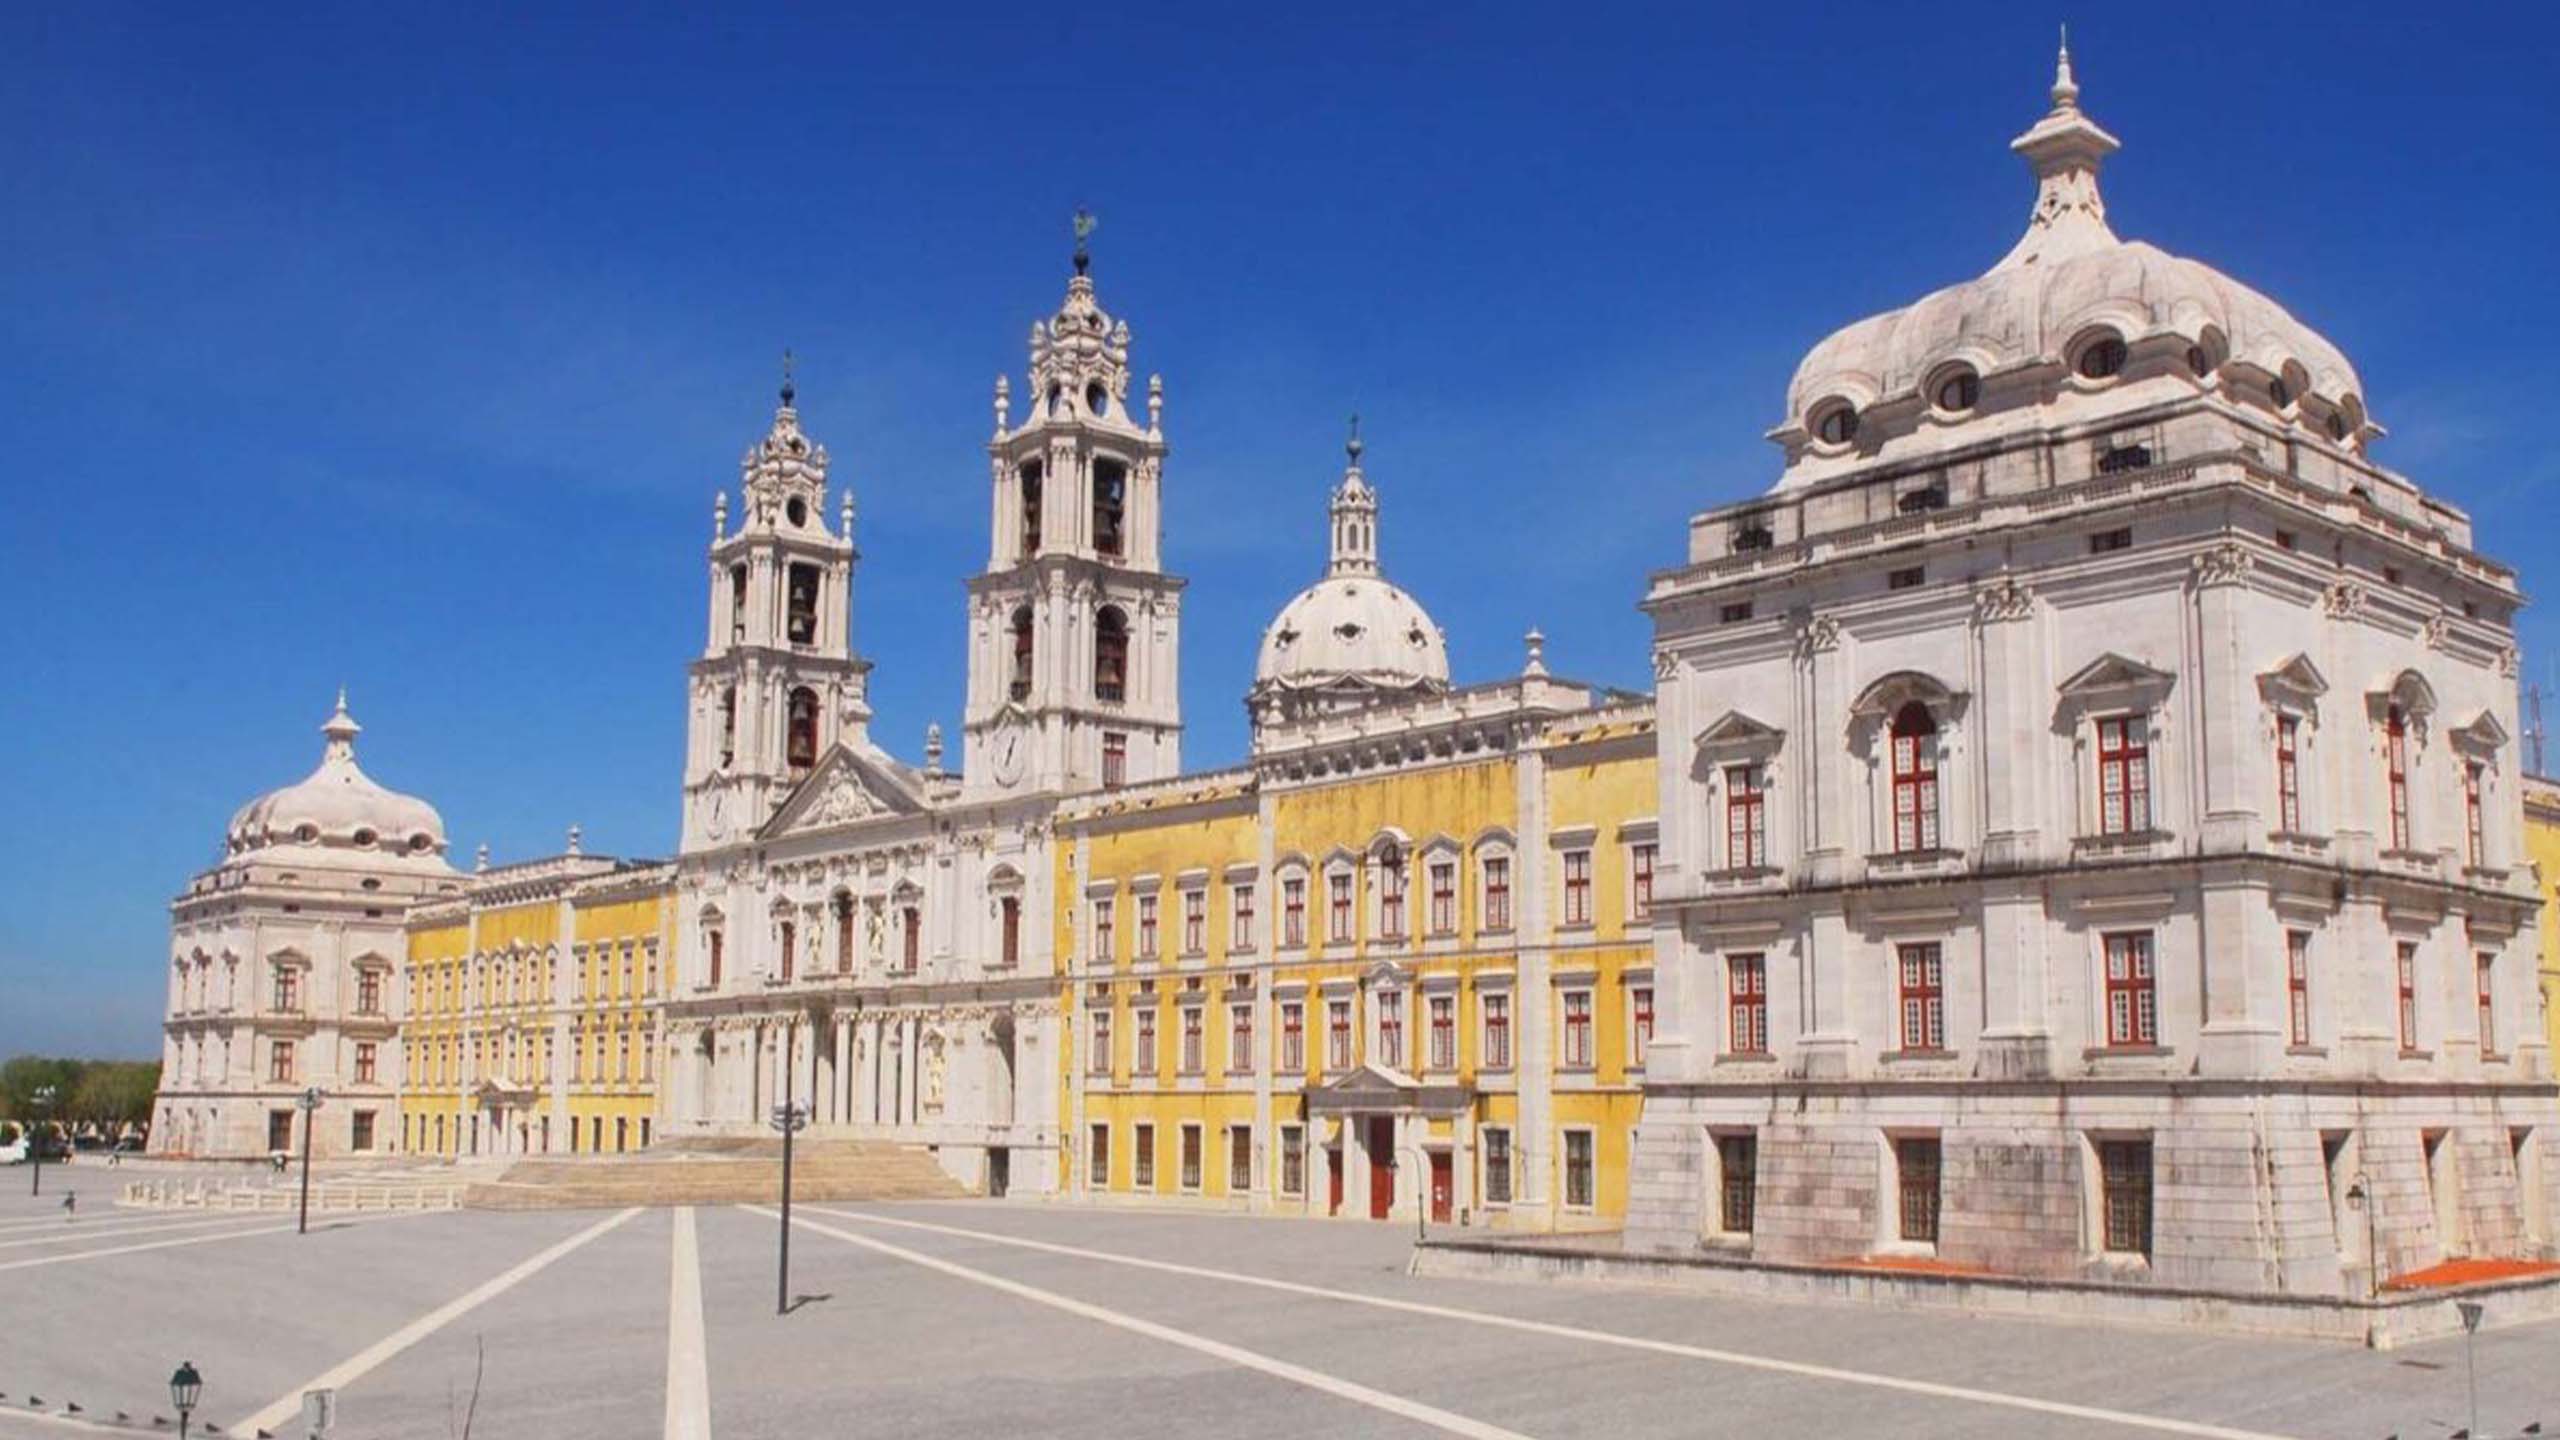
{"x":1351,"y":638}
{"x":338,"y":808}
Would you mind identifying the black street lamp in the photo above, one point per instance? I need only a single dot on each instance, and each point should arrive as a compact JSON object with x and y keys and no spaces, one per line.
{"x":308,"y":1102}
{"x":2360,"y":1198}
{"x":790,"y":1119}
{"x":184,"y":1387}
{"x":43,"y":1101}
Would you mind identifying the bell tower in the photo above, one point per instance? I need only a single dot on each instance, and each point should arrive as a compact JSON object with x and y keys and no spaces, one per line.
{"x":777,"y":684}
{"x":1074,"y":627}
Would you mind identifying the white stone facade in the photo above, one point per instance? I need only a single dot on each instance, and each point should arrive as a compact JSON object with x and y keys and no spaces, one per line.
{"x":2092,"y":833}
{"x":284,"y":963}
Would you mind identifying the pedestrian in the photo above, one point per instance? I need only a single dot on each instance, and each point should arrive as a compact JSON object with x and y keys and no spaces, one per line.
{"x":70,"y":1205}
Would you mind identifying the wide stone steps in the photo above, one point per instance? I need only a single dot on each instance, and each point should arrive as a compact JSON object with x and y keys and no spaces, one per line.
{"x":729,"y":1172}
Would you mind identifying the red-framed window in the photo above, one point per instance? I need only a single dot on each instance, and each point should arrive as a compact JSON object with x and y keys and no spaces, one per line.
{"x":1115,"y":759}
{"x":288,"y":989}
{"x":1102,"y":916}
{"x":1577,"y":887}
{"x":368,"y":992}
{"x":1293,"y":1036}
{"x":1337,"y":1024}
{"x":1497,"y":892}
{"x":1195,"y":1043}
{"x":1924,"y":996}
{"x":1146,"y":1056}
{"x":2406,"y":974}
{"x":364,"y":1062}
{"x":2484,"y":971}
{"x":1143,"y":1157}
{"x":2297,"y":984}
{"x":1293,"y":911}
{"x":1240,"y":915}
{"x":2133,"y":1003}
{"x":1640,"y":867}
{"x":2289,"y":774}
{"x":1239,"y":1159}
{"x":1444,"y":897}
{"x":1338,"y":918}
{"x":1240,"y":1036}
{"x":1639,"y":1023}
{"x":1915,"y":778}
{"x":1391,"y":1030}
{"x":1577,"y":1029}
{"x":1746,"y":817}
{"x":2474,"y":849}
{"x":1497,"y":1031}
{"x":1444,"y":1032}
{"x":1391,"y":878}
{"x":1747,"y":1003}
{"x":280,"y":1060}
{"x":1147,"y":927}
{"x":2124,"y":774}
{"x":2395,"y":766}
{"x":1195,"y":922}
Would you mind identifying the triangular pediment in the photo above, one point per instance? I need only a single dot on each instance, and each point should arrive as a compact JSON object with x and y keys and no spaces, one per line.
{"x":1734,"y":730}
{"x":2482,"y":733}
{"x":846,"y":786}
{"x":2297,"y":678}
{"x":2112,"y":673}
{"x":1367,"y":1080}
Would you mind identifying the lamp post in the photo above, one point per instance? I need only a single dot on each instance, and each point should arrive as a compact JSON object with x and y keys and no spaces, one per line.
{"x":2359,"y":1198}
{"x":43,"y":1104}
{"x":789,"y":1118}
{"x":308,"y":1102}
{"x":185,"y":1386}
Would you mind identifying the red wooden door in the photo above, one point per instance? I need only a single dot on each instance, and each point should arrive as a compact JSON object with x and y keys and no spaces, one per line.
{"x":1333,"y":1181}
{"x":1443,"y":1183}
{"x":1382,"y":1167}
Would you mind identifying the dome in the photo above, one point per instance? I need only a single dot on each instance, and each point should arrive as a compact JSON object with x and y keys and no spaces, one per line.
{"x":339,"y":808}
{"x":2068,"y":287}
{"x":1350,"y":638}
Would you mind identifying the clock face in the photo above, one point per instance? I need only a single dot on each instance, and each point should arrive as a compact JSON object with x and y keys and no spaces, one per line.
{"x":1006,"y":752}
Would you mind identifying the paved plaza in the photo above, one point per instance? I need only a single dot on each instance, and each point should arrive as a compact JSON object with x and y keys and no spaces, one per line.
{"x":992,"y":1318}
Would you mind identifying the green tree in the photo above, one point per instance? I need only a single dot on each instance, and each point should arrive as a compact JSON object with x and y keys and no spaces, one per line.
{"x":113,"y":1094}
{"x":24,"y":1075}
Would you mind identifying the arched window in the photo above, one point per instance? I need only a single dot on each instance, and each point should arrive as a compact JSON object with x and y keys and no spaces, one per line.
{"x":801,"y":621}
{"x":1021,"y":683}
{"x":1110,"y":654}
{"x":1030,"y":475}
{"x":1110,"y":504}
{"x":2101,"y":358}
{"x":800,"y":742}
{"x":1915,"y":778}
{"x":738,"y":602}
{"x":2395,"y":757}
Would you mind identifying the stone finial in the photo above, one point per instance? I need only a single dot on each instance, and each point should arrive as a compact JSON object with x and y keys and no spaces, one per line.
{"x":1537,"y":662}
{"x":1155,"y":404}
{"x":719,"y":516}
{"x":1004,"y":404}
{"x":2066,"y":90}
{"x":844,"y":517}
{"x":577,"y":839}
{"x":933,"y":748}
{"x":480,"y":859}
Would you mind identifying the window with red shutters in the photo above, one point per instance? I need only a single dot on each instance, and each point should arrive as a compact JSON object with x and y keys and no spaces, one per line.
{"x":1577,"y":1029}
{"x":1747,"y":980}
{"x":1915,"y":779}
{"x":2124,"y":775}
{"x":1639,"y":1023}
{"x":1746,"y":827}
{"x":2297,"y":983}
{"x":1391,"y":879}
{"x":1640,"y":863}
{"x":2406,"y":971}
{"x":1444,"y":1032}
{"x":2395,"y":766}
{"x":1293,"y":911}
{"x":1444,"y":897}
{"x":1293,"y":1037}
{"x":1240,"y":916}
{"x":1144,"y":1063}
{"x":1010,"y":911}
{"x":1497,"y":892}
{"x":1102,"y":908}
{"x":1497,"y":1031}
{"x":1924,"y":1002}
{"x":1337,"y":1021}
{"x":2474,"y":849}
{"x":2133,"y":1017}
{"x":2484,"y":969}
{"x":1338,"y":918}
{"x":1240,"y":1037}
{"x":2289,"y":774}
{"x":1115,"y":759}
{"x":1390,"y":1029}
{"x":1195,"y":922}
{"x":1577,"y":887}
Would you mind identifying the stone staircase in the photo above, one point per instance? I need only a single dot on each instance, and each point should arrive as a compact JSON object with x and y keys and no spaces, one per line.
{"x":719,"y":1171}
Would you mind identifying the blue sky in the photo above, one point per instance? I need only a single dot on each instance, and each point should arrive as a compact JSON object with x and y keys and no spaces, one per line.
{"x":408,"y":352}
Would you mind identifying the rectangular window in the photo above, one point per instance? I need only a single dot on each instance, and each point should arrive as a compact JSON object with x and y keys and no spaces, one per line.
{"x":1195,"y":922}
{"x":1497,"y":892}
{"x":2297,"y":984}
{"x":1497,"y":1166}
{"x":1444,"y":1032}
{"x":1746,"y":830}
{"x":1738,"y":1182}
{"x":280,"y":1061}
{"x":717,"y":941}
{"x":1240,"y":1037}
{"x":280,"y":1130}
{"x":1391,"y":882}
{"x":1097,"y":1161}
{"x":1747,"y":982}
{"x":364,"y":1062}
{"x":1924,"y":996}
{"x":1909,"y":577}
{"x":2124,"y":775}
{"x":1293,"y":1037}
{"x":288,"y":996}
{"x":1915,"y":1162}
{"x":2407,"y":976}
{"x":1444,"y":897}
{"x":1734,"y":613}
{"x":2484,"y":969}
{"x":1577,"y":887}
{"x":1194,"y":1045}
{"x":2106,"y":541}
{"x":360,"y":1131}
{"x":1915,"y":780}
{"x":1577,"y":1029}
{"x":369,"y":986}
{"x":2472,"y":847}
{"x":1391,"y":1030}
{"x":1578,"y":1169}
{"x":1145,"y":1063}
{"x":1640,"y":864}
{"x":1293,"y":911}
{"x":1639,"y":1023}
{"x":1497,"y":1030}
{"x":2132,"y":1000}
{"x":912,"y":922}
{"x":1240,"y":916}
{"x":2289,"y":774}
{"x":1190,"y":1157}
{"x":1337,"y":1024}
{"x":790,"y":947}
{"x":1293,"y":1160}
{"x":1115,"y":759}
{"x":1146,"y":927}
{"x":2124,"y":1168}
{"x":1239,"y":1159}
{"x":1102,"y":932}
{"x":2395,"y":756}
{"x":1338,"y":924}
{"x":1009,"y":914}
{"x":1144,"y":1157}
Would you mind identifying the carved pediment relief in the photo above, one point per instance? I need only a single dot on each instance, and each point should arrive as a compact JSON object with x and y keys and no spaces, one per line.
{"x":1735,"y":731}
{"x":2296,"y":684}
{"x":844,"y":788}
{"x":2484,"y":735}
{"x":1890,"y":692}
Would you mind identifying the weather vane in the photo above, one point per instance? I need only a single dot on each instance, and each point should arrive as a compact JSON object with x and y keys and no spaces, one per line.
{"x":789,"y":391}
{"x":1085,"y":226}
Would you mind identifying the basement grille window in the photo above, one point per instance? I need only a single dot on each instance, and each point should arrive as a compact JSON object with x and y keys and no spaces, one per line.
{"x":2107,"y":541}
{"x":2116,"y":460}
{"x":1910,"y":577}
{"x":1735,"y":613}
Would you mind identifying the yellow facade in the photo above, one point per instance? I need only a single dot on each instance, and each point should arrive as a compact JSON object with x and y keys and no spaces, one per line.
{"x":2542,"y":848}
{"x":532,"y":1011}
{"x":1358,"y":988}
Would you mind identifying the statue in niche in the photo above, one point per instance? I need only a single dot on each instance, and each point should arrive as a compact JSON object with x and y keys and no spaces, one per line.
{"x":936,"y":1073}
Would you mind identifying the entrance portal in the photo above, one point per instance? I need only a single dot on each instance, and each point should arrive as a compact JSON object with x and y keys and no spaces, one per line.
{"x":1382,"y":1166}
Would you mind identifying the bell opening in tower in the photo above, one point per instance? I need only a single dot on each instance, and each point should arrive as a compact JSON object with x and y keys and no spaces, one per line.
{"x":1110,"y":502}
{"x":802,"y":620}
{"x":1019,"y":687}
{"x":738,"y":603}
{"x":1030,"y":476}
{"x":1111,"y":654}
{"x":800,"y":744}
